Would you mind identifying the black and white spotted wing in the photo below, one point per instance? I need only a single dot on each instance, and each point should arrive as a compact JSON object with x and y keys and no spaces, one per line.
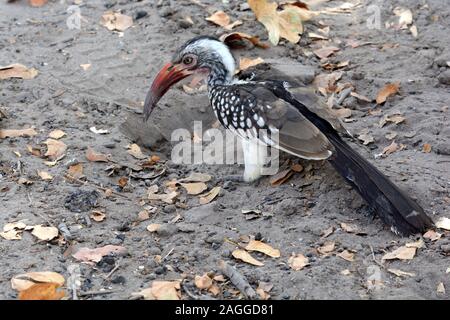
{"x":251,"y":110}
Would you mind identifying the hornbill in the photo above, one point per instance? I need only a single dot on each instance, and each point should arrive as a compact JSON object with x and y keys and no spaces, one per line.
{"x":279,"y":113}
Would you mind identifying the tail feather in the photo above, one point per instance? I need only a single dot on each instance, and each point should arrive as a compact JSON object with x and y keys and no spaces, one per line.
{"x":393,"y":206}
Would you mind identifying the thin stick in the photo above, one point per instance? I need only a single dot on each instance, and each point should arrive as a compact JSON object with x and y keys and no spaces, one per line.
{"x":238,"y":280}
{"x":68,"y":176}
{"x":94,"y":293}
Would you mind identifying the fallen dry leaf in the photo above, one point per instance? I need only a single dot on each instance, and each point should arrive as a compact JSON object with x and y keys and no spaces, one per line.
{"x":245,"y":63}
{"x":327,"y":232}
{"x":116,"y":21}
{"x":440,"y":288}
{"x":417,"y":244}
{"x":196,"y":177}
{"x":44,"y":175}
{"x":396,"y":118}
{"x":136,"y":151}
{"x":222,"y":19}
{"x":365,"y":137}
{"x":161,"y":290}
{"x":246,"y":257}
{"x":287,"y":23}
{"x":98,"y":215}
{"x":325,"y":52}
{"x":165,"y":197}
{"x":342,"y":112}
{"x":85,"y":66}
{"x":13,"y":133}
{"x":17,"y":70}
{"x":264,"y":289}
{"x":37,"y":3}
{"x":360,"y":97}
{"x":42,"y":291}
{"x":432,"y":235}
{"x":25,"y":281}
{"x":387,"y":91}
{"x":426,"y":148}
{"x":44,"y":233}
{"x":443,"y":223}
{"x":95,"y":255}
{"x":203,"y":282}
{"x":327,"y":247}
{"x":405,"y":17}
{"x":393,"y":147}
{"x":402,"y":253}
{"x":153,"y":227}
{"x":13,"y":230}
{"x":56,"y":150}
{"x":76,"y":171}
{"x":298,"y":261}
{"x":259,"y":246}
{"x":347,"y":255}
{"x":210,"y":196}
{"x":98,"y":131}
{"x":143,"y":215}
{"x":195,"y":187}
{"x":281,"y":177}
{"x":123,"y":181}
{"x":56,"y":134}
{"x":94,"y":156}
{"x":238,"y":40}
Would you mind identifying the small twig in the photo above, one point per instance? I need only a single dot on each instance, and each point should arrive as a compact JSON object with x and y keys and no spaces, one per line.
{"x":94,"y":293}
{"x":68,"y":176}
{"x":112,"y":271}
{"x":168,"y":254}
{"x":238,"y":280}
{"x":374,"y":259}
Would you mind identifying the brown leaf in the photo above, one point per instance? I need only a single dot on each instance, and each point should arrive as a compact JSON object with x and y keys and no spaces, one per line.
{"x":245,"y":63}
{"x":76,"y":171}
{"x":17,"y":70}
{"x":196,"y":177}
{"x":393,"y":147}
{"x":440,"y":288}
{"x":387,"y":91}
{"x":12,"y":133}
{"x":165,"y":197}
{"x":365,"y":137}
{"x":298,"y":261}
{"x":287,"y":23}
{"x":350,"y":228}
{"x":238,"y":40}
{"x":25,"y":281}
{"x":210,"y":196}
{"x":203,"y":282}
{"x":195,"y":187}
{"x":42,"y":291}
{"x":281,"y":177}
{"x":116,"y":21}
{"x":161,"y":290}
{"x":342,"y":112}
{"x":432,"y":235}
{"x":259,"y":246}
{"x":45,"y":175}
{"x":360,"y":97}
{"x":37,"y":3}
{"x":98,"y":215}
{"x":93,"y":156}
{"x":214,"y":289}
{"x":153,"y":227}
{"x":143,"y":215}
{"x":443,"y":223}
{"x":56,"y":149}
{"x":95,"y":255}
{"x":327,"y":232}
{"x":402,"y":253}
{"x":136,"y":152}
{"x":347,"y":255}
{"x":396,"y":118}
{"x":246,"y":257}
{"x":123,"y":181}
{"x":44,"y":233}
{"x":325,"y":52}
{"x":220,"y":18}
{"x":326,"y":248}
{"x":417,"y":244}
{"x":13,"y":231}
{"x":56,"y":134}
{"x":426,"y":148}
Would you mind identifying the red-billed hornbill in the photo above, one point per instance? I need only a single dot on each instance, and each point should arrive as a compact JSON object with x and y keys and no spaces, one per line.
{"x":277,"y":113}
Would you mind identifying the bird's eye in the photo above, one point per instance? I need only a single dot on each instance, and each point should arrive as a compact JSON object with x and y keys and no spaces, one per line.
{"x":188,"y":60}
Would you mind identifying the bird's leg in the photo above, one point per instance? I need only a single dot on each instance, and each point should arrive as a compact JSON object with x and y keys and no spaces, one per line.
{"x":255,"y":157}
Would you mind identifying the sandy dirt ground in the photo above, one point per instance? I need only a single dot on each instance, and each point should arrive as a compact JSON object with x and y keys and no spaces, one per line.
{"x":193,"y":238}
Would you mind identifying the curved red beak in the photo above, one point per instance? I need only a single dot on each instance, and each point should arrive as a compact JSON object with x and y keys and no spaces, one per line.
{"x":166,"y":78}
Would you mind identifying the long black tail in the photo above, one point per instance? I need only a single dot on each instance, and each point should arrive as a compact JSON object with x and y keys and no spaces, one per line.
{"x":393,"y":206}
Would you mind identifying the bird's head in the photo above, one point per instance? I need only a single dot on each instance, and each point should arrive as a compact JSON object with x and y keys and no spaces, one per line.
{"x":202,"y":55}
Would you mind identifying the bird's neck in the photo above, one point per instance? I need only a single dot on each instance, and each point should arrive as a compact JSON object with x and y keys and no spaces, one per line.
{"x":219,"y":76}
